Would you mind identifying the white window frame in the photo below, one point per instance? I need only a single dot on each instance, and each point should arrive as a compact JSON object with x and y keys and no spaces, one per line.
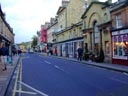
{"x":118,"y":21}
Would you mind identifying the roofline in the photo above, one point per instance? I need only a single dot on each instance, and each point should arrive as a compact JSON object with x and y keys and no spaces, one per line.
{"x":94,"y":2}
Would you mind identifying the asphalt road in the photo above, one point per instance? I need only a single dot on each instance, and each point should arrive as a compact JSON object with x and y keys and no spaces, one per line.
{"x":50,"y":76}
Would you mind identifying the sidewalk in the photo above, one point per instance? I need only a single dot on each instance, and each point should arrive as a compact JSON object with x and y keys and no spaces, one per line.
{"x":5,"y":76}
{"x":115,"y":67}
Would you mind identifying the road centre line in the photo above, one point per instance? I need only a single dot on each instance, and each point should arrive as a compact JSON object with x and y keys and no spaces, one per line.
{"x":58,"y":68}
{"x":39,"y":55}
{"x":43,"y":94}
{"x":47,"y":62}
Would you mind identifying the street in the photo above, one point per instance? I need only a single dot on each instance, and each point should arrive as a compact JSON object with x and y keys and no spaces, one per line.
{"x":38,"y":75}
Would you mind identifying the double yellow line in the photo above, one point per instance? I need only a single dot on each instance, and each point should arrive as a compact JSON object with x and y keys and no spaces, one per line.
{"x":18,"y":77}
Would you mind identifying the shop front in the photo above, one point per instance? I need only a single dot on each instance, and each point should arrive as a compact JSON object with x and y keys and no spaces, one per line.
{"x":120,"y":47}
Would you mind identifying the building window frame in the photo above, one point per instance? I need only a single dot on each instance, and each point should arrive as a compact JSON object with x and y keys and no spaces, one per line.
{"x":118,"y":21}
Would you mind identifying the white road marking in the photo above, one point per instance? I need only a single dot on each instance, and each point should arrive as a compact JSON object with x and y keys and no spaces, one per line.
{"x":26,"y":92}
{"x":58,"y":68}
{"x":115,"y":79}
{"x":43,"y":94}
{"x":125,"y":73}
{"x":47,"y":62}
{"x":15,"y":85}
{"x":25,"y":57}
{"x":40,"y":55}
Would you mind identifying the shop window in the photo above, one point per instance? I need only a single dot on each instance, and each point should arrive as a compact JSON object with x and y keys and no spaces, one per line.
{"x":70,"y":46}
{"x":119,"y":47}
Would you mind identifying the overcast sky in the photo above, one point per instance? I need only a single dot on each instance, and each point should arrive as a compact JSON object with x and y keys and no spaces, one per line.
{"x":26,"y":16}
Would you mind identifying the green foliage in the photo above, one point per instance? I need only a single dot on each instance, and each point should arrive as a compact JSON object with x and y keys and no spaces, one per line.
{"x":34,"y":41}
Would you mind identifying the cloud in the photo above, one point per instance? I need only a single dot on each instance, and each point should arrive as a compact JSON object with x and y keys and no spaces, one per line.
{"x":26,"y":16}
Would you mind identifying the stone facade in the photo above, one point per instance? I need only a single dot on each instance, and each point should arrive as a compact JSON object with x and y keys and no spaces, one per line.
{"x":96,"y":31}
{"x":6,"y":32}
{"x":119,"y":14}
{"x":74,"y":11}
{"x":71,"y":37}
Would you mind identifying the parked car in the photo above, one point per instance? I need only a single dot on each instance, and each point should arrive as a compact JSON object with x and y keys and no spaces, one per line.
{"x":31,"y":51}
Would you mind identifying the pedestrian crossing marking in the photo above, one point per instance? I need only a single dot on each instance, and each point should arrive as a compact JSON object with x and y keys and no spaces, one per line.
{"x":26,"y":92}
{"x":37,"y":91}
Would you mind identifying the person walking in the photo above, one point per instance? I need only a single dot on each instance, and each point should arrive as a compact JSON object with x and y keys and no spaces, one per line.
{"x":80,"y":53}
{"x":4,"y":52}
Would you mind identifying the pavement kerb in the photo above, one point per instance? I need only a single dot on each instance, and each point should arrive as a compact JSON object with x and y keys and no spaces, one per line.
{"x":4,"y":90}
{"x":101,"y":65}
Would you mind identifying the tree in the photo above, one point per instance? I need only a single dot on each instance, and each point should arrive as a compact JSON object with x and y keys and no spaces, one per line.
{"x":34,"y":41}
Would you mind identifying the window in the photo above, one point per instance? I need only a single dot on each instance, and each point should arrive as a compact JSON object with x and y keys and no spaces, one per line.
{"x":75,"y":35}
{"x":96,"y":33}
{"x":105,"y":17}
{"x":80,"y":30}
{"x":107,"y":48}
{"x":119,"y":47}
{"x":118,"y":21}
{"x":1,"y":27}
{"x":70,"y":35}
{"x":96,"y":38}
{"x":70,"y":46}
{"x":63,"y":37}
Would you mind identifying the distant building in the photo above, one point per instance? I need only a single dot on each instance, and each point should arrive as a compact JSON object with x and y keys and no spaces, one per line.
{"x":6,"y":32}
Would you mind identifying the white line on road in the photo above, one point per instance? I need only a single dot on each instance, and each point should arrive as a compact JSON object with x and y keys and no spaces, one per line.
{"x":116,"y":79}
{"x":47,"y":62}
{"x":43,"y":94}
{"x":59,"y":68}
{"x":56,"y":66}
{"x":125,"y":73}
{"x":40,"y":55}
{"x":26,"y":92}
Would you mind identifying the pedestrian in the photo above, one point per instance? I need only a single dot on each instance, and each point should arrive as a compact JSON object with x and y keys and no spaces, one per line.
{"x":80,"y":53}
{"x":4,"y":52}
{"x":55,"y":51}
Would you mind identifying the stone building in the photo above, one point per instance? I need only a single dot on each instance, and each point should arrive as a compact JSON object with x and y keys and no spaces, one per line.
{"x":96,"y":29}
{"x":119,"y":32}
{"x":70,"y":37}
{"x":6,"y":32}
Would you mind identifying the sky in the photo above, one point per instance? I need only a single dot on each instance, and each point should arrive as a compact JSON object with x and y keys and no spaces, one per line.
{"x":26,"y":16}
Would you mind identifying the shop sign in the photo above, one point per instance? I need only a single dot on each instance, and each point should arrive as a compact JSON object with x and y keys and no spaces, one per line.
{"x":120,"y":32}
